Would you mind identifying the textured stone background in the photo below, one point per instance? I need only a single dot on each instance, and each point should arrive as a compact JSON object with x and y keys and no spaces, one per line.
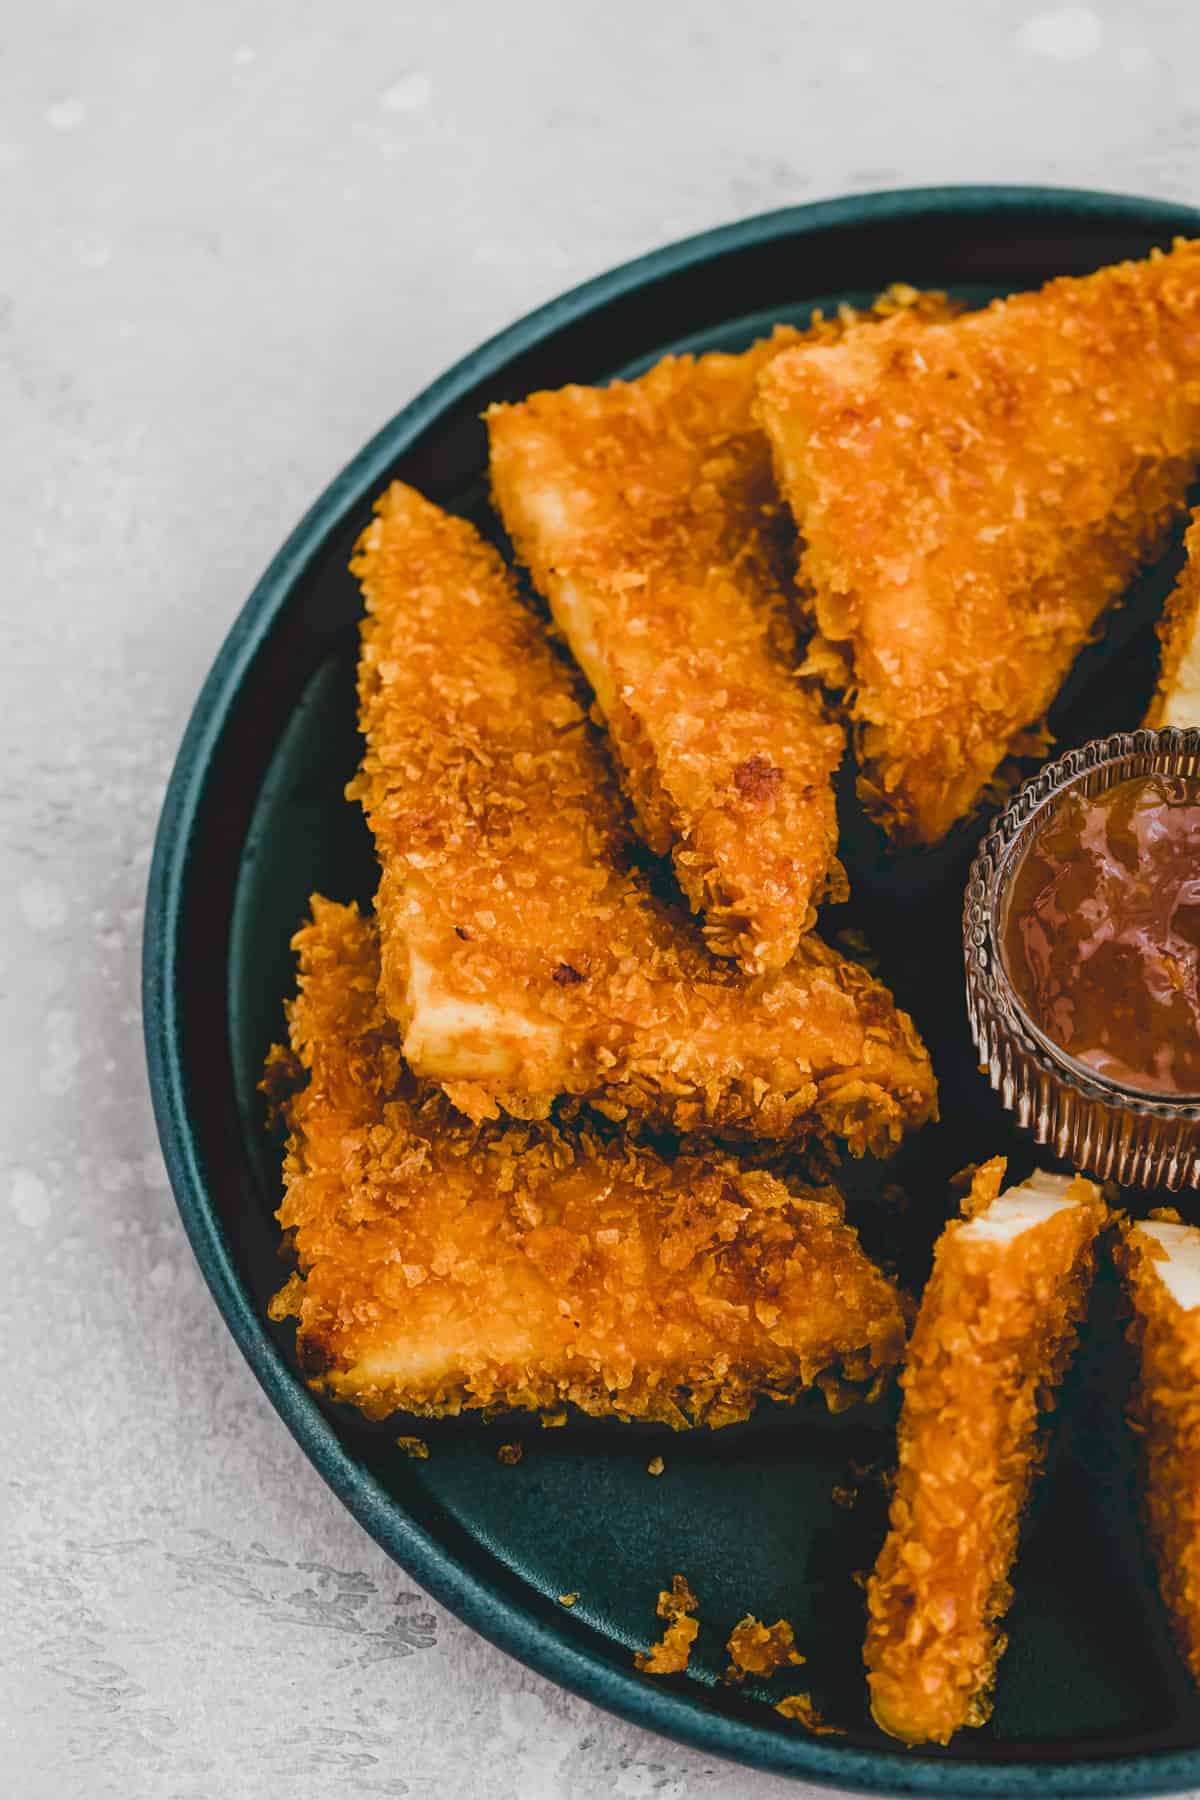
{"x":237,"y":236}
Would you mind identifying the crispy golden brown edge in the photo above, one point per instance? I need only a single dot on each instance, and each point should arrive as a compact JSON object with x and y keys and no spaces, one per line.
{"x":444,"y":1266}
{"x":972,"y":496}
{"x":525,"y":954}
{"x":1177,"y":698}
{"x":996,"y":1329}
{"x":1166,"y":1411}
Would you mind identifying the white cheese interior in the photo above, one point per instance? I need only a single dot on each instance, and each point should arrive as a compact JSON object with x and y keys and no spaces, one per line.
{"x":463,"y":1039}
{"x":557,"y":517}
{"x":577,"y":619}
{"x":1180,"y":1272}
{"x":1019,"y":1208}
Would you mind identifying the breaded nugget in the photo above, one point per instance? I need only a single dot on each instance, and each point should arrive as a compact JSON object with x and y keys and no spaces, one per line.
{"x":994,"y":1334}
{"x":1177,"y":700}
{"x":524,"y":953}
{"x":444,"y":1266}
{"x":1160,"y":1262}
{"x":648,"y":515}
{"x":972,"y":496}
{"x":649,"y":518}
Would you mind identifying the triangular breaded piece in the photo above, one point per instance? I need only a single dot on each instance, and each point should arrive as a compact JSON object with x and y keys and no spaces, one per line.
{"x":1160,"y":1262}
{"x":997,"y":1327}
{"x":444,"y":1266}
{"x":525,"y":953}
{"x":648,"y":515}
{"x":972,"y":496}
{"x":1177,"y":700}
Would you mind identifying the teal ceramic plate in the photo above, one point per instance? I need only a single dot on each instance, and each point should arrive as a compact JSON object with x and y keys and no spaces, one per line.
{"x":1090,"y":1697}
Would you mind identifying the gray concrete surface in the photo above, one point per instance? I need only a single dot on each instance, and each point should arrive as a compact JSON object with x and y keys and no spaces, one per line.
{"x":236,"y":237}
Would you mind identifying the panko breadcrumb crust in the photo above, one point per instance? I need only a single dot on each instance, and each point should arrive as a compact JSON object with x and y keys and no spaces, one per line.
{"x":524,"y":952}
{"x":648,"y":516}
{"x":1177,"y":698}
{"x":444,"y":1266}
{"x":995,"y":1331}
{"x":1166,"y":1411}
{"x":972,"y":496}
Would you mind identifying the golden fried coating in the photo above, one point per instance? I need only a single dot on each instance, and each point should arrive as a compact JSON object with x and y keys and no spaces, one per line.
{"x":445,"y":1266}
{"x":671,"y":1655}
{"x":1177,"y":700}
{"x":648,"y":515}
{"x":524,"y":953}
{"x":1160,"y":1262}
{"x":649,"y":518}
{"x":995,"y":1332}
{"x":758,"y":1649}
{"x":972,"y":496}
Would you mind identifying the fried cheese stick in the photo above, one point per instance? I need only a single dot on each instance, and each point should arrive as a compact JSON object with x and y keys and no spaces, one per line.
{"x":524,"y":953}
{"x":444,"y":1266}
{"x":995,"y":1331}
{"x":648,"y":515}
{"x":1160,"y":1262}
{"x":1177,"y":700}
{"x":972,"y":496}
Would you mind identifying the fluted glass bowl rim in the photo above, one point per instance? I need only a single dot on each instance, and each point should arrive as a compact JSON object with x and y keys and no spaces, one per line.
{"x":1121,"y":756}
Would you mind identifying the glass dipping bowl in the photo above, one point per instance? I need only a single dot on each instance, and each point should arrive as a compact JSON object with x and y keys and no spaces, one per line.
{"x":1127,"y":1134}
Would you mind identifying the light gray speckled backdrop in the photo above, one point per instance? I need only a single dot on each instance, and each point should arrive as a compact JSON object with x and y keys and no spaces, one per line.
{"x":236,"y":237}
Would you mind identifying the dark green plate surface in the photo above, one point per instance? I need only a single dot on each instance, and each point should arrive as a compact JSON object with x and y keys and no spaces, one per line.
{"x":1090,"y":1697}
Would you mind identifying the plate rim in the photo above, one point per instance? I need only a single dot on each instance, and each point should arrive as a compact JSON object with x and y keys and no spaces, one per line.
{"x":517,"y":1631}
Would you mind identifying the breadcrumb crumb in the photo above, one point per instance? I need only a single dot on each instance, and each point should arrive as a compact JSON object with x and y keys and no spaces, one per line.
{"x":671,"y":1654}
{"x":655,"y":1466}
{"x":568,"y":1599}
{"x":413,"y":1446}
{"x":800,"y":1708}
{"x":510,"y":1454}
{"x":758,"y":1649}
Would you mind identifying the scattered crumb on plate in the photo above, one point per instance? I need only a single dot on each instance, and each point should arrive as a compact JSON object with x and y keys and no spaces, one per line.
{"x":758,"y":1649}
{"x":670,"y":1655}
{"x":800,"y":1707}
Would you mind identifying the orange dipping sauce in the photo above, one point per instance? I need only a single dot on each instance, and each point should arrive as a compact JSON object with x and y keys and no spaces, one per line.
{"x":1101,"y":932}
